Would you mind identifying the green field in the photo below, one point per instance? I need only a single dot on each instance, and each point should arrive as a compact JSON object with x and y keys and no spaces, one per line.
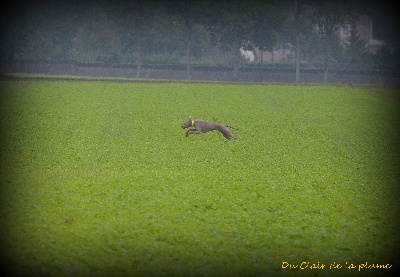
{"x":98,"y":179}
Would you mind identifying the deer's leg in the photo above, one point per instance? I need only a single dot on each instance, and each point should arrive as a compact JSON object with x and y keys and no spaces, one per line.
{"x":192,"y":131}
{"x":227,"y":134}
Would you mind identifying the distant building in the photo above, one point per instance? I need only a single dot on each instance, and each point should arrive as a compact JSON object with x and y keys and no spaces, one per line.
{"x":365,"y":29}
{"x":247,"y":54}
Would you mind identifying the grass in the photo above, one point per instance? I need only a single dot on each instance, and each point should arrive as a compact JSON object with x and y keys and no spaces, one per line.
{"x":98,"y":178}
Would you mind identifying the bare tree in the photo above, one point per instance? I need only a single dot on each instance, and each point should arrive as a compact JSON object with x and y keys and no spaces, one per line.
{"x":296,"y":13}
{"x":328,"y":16}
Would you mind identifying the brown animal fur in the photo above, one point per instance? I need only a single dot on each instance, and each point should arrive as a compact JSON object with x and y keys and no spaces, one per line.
{"x":202,"y":126}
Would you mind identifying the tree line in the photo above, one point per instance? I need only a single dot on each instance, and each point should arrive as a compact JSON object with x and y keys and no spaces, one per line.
{"x":191,"y":32}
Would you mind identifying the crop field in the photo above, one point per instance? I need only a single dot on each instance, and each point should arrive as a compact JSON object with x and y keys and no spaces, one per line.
{"x":99,"y":179}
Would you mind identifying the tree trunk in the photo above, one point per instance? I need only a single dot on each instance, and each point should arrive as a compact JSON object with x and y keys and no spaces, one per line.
{"x":298,"y":57}
{"x":255,"y":53}
{"x":327,"y":59}
{"x":236,"y":57}
{"x":10,"y":48}
{"x":189,"y":30}
{"x":296,"y":13}
{"x":139,"y":58}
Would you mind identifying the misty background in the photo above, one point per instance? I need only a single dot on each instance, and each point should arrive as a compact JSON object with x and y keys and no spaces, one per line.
{"x":306,"y":40}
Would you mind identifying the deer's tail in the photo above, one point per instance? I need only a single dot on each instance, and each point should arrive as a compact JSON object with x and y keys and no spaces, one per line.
{"x":231,"y":127}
